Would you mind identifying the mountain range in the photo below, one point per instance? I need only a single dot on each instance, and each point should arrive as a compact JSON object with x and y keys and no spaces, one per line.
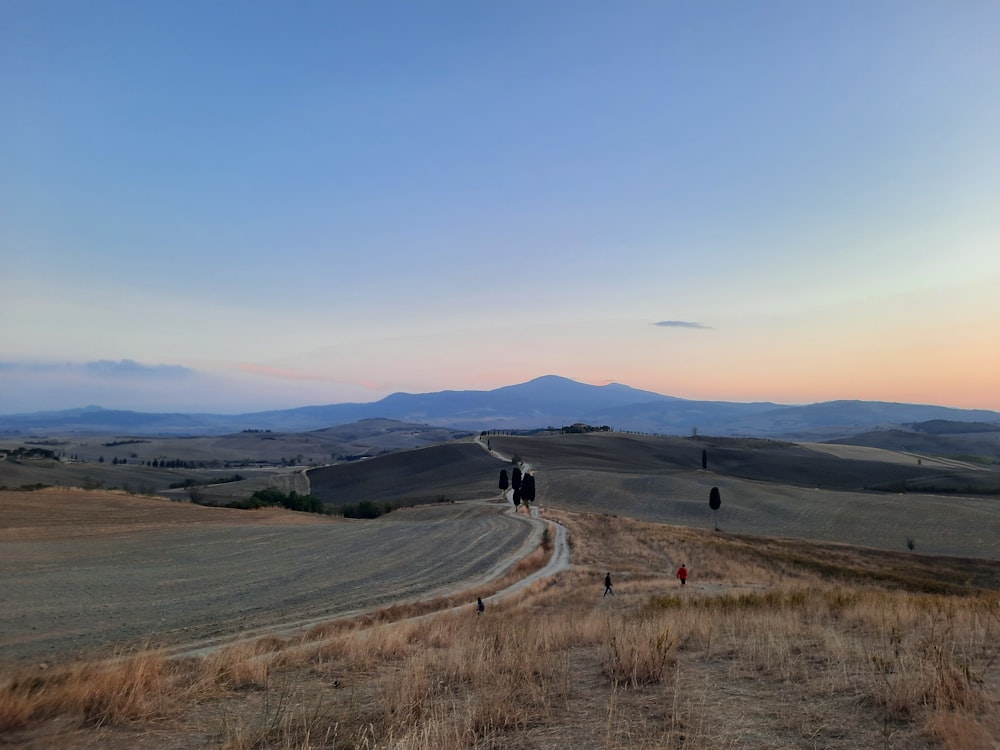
{"x":548,"y":401}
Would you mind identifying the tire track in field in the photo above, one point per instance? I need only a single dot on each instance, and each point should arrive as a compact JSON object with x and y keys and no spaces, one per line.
{"x":86,"y":598}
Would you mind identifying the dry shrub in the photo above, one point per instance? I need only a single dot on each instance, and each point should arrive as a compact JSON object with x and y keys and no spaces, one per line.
{"x":132,"y":691}
{"x":404,"y":694}
{"x":919,"y":679}
{"x":428,"y":735}
{"x":241,"y":666}
{"x":924,"y":653}
{"x":282,"y":718}
{"x":406,"y":610}
{"x":511,"y":680}
{"x":957,"y":730}
{"x":453,"y":681}
{"x":532,"y":562}
{"x":763,"y":631}
{"x":381,"y":644}
{"x":331,"y":650}
{"x":23,"y":698}
{"x":638,"y":652}
{"x":116,"y":692}
{"x":443,"y":631}
{"x":503,"y":708}
{"x":326,"y":630}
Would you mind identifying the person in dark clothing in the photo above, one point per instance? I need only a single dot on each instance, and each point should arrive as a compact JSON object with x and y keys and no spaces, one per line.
{"x":607,"y":586}
{"x":480,"y":607}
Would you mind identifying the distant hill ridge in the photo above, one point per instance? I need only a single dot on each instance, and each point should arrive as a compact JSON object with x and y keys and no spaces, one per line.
{"x":548,"y":401}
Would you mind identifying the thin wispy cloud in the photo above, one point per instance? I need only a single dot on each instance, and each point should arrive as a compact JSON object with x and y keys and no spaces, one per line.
{"x":681,"y":324}
{"x":33,"y":385}
{"x":131,"y":368}
{"x":97,"y":368}
{"x":36,"y":385}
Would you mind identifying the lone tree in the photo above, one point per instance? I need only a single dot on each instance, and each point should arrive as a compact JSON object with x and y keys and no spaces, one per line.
{"x":714,"y":502}
{"x":504,"y":484}
{"x":515,"y":478}
{"x":704,"y":458}
{"x":517,"y":497}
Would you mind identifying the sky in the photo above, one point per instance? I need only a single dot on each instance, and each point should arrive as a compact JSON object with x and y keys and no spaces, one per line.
{"x":237,"y":206}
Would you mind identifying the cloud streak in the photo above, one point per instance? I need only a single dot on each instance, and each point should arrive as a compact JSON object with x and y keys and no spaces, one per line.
{"x":681,"y":324}
{"x":97,"y":368}
{"x":131,"y":368}
{"x":33,"y":385}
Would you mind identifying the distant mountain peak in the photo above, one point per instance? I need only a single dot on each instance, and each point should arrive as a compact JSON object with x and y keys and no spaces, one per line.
{"x":545,"y":401}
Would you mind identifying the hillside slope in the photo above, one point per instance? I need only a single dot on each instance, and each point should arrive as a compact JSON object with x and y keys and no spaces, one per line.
{"x":767,"y":488}
{"x":458,"y":470}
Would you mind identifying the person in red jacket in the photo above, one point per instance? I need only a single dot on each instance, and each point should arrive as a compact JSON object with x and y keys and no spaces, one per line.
{"x":682,"y":574}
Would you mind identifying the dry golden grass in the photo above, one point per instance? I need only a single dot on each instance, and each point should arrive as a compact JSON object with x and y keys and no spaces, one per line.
{"x":752,"y":652}
{"x":133,"y":688}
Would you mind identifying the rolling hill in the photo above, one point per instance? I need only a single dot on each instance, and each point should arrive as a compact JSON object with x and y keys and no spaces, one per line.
{"x":548,"y":401}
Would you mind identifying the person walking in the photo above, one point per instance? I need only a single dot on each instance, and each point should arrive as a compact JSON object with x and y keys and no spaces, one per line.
{"x":607,"y":585}
{"x":480,"y":607}
{"x":682,"y":574}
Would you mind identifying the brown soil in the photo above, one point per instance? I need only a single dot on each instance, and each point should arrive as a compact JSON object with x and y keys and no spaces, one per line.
{"x":92,"y":573}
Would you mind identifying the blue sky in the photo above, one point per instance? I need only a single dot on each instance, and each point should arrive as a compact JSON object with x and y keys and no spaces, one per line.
{"x":231,"y":206}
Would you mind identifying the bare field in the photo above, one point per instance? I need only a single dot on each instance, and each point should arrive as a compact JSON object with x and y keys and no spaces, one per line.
{"x":458,"y":470}
{"x":92,"y":572}
{"x":370,"y":436}
{"x":264,"y":459}
{"x":864,"y":453}
{"x":767,"y":488}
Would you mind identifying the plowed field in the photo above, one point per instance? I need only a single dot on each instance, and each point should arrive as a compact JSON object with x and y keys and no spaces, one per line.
{"x":86,"y":573}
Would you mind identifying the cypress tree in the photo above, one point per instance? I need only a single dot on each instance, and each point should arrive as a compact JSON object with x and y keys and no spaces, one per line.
{"x":715,"y":502}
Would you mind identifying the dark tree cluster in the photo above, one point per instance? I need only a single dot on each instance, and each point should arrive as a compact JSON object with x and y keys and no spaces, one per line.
{"x":528,"y":488}
{"x":523,"y":485}
{"x":31,"y":453}
{"x":176,"y":463}
{"x":580,"y":428}
{"x":271,"y":496}
{"x":365,"y":509}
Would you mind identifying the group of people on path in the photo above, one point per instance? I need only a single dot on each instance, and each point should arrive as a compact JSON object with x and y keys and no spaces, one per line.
{"x":682,"y":576}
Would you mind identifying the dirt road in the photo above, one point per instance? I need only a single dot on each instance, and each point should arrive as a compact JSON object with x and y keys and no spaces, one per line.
{"x":173,"y":575}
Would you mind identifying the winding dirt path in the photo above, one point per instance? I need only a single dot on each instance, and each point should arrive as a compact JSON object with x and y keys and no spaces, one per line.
{"x":559,"y":560}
